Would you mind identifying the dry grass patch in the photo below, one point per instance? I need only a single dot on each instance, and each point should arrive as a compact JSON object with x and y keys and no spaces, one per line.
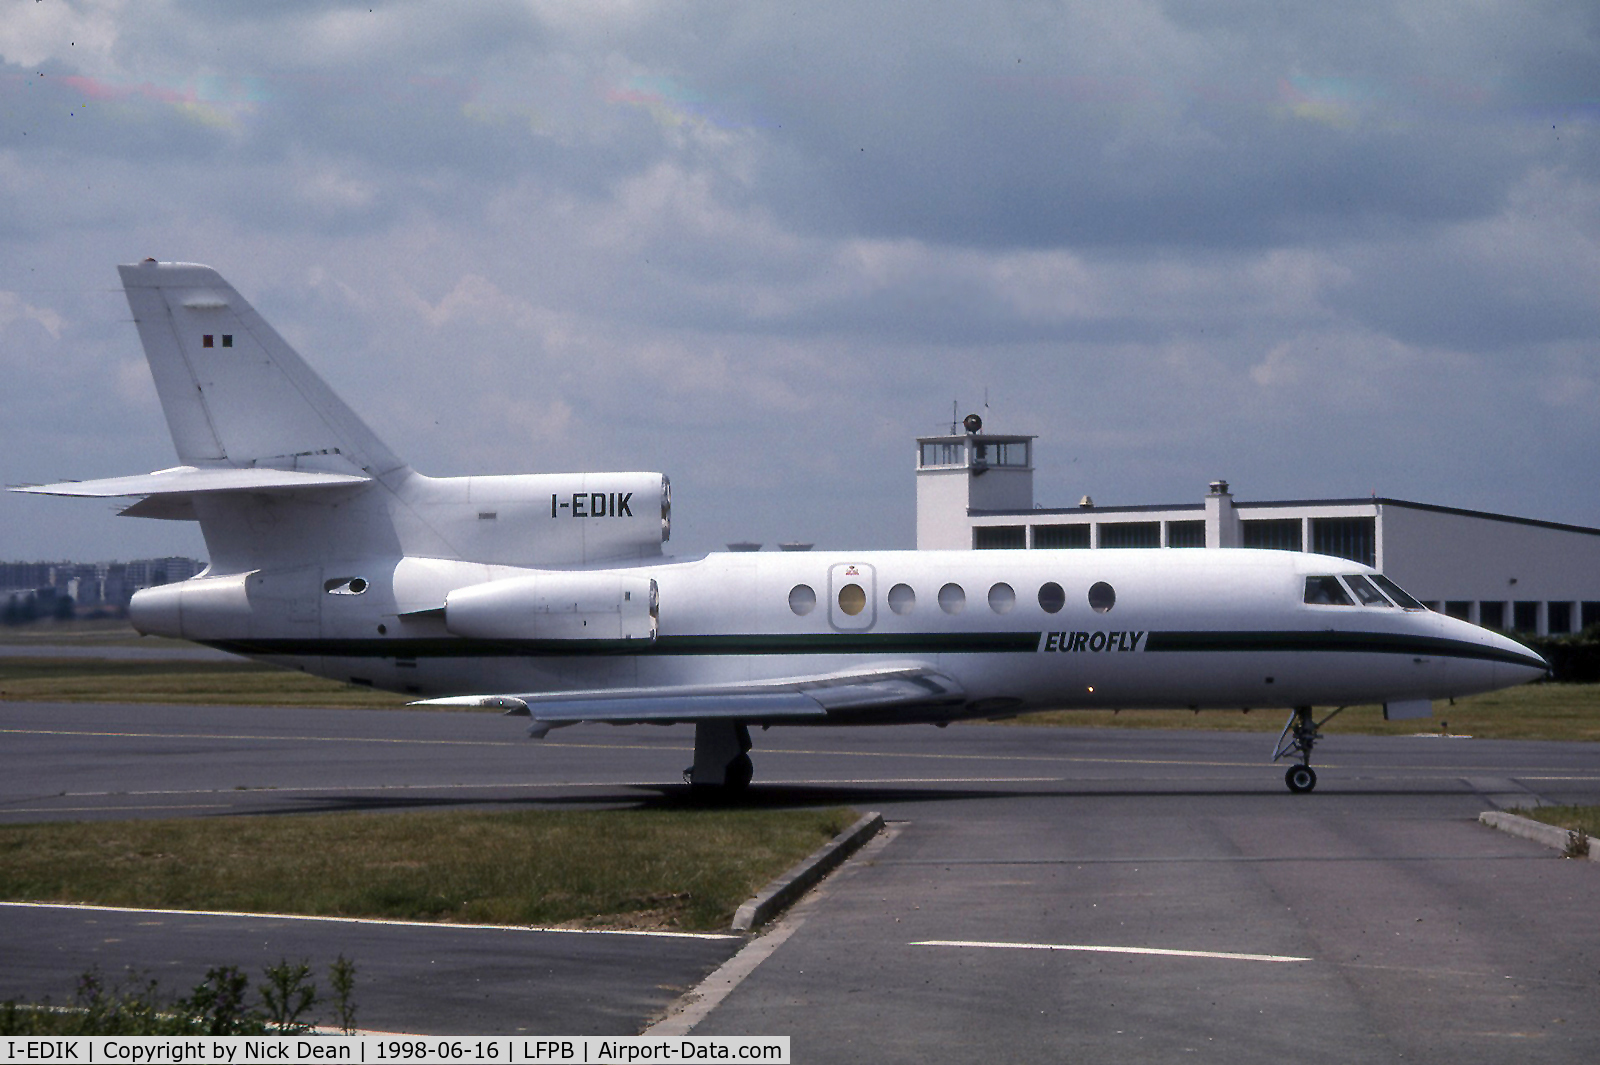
{"x":687,"y":869}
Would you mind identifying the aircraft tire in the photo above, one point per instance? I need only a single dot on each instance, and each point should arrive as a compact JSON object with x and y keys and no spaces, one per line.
{"x":1301,"y":779}
{"x":740,"y":772}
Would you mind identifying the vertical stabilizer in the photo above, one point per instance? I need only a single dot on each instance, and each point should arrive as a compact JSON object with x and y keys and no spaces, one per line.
{"x":234,"y":392}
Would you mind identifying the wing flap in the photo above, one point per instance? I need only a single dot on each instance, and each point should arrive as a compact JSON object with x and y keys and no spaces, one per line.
{"x":788,"y":698}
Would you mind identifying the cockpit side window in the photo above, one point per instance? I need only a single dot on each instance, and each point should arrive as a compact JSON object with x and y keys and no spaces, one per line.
{"x":1397,"y":593}
{"x":1364,"y":590}
{"x":1327,"y":591}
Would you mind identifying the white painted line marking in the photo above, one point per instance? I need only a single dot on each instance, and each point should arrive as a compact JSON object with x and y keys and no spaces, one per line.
{"x":370,"y":920}
{"x":1159,"y":951}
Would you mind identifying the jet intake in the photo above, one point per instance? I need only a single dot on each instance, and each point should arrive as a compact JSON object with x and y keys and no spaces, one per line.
{"x":555,"y":606}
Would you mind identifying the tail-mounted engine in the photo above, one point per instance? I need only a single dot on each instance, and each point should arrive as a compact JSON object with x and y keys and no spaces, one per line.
{"x":603,"y":605}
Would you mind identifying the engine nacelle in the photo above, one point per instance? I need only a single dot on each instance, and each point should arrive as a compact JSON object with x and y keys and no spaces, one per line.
{"x":546,"y":519}
{"x":198,"y":608}
{"x":235,"y":606}
{"x":602,"y":605}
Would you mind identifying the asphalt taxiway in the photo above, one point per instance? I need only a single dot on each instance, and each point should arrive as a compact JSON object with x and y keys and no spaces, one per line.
{"x":1079,"y":894}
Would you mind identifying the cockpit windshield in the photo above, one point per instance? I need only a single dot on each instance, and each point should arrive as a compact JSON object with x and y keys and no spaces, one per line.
{"x":1327,"y":591}
{"x":1369,"y":595}
{"x":1336,"y":590}
{"x":1397,"y":593}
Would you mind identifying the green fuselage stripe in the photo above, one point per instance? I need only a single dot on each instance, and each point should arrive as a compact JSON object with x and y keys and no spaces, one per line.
{"x":869,"y":643}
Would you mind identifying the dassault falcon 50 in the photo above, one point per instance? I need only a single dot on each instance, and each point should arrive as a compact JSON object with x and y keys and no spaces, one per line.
{"x":549,"y":594}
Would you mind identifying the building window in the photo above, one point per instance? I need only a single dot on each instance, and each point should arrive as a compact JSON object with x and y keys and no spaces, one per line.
{"x":1130,"y":534}
{"x":1559,"y":618}
{"x":953,"y":453}
{"x":1186,"y":534}
{"x":1589,"y":614}
{"x":1274,"y":534}
{"x":999,"y":537}
{"x":1054,"y":536}
{"x":1492,"y":615}
{"x":1525,"y":616}
{"x":1012,"y":453}
{"x":1352,"y":538}
{"x":1460,"y":609}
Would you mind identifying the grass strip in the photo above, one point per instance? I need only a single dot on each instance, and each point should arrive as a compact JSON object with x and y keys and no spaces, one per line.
{"x":1529,"y":712}
{"x":101,"y":680}
{"x":659,"y":869}
{"x":1571,"y":818}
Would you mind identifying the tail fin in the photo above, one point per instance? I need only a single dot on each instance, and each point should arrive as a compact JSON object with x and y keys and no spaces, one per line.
{"x":234,"y":392}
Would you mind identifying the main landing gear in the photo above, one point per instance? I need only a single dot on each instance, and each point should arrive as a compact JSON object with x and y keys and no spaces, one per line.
{"x":1299,"y":736}
{"x":721,"y":757}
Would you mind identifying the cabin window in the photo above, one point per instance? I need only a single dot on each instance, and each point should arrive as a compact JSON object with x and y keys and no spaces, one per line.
{"x":1002,"y":598}
{"x":1102,"y":597}
{"x":802,"y":600}
{"x":1327,"y":591}
{"x":902,"y":600}
{"x":852,"y":600}
{"x":1051,"y":597}
{"x":1369,"y":595}
{"x":952,"y":599}
{"x":1396,"y":593}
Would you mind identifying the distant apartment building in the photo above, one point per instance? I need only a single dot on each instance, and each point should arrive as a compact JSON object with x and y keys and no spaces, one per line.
{"x":91,"y":584}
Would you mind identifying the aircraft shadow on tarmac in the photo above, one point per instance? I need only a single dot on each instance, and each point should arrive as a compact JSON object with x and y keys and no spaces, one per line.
{"x":863,"y":795}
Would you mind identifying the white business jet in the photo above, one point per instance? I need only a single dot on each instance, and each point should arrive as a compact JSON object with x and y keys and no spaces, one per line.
{"x":549,"y":595}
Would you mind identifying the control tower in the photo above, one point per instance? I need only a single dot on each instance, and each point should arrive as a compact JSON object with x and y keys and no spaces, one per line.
{"x":966,"y":473}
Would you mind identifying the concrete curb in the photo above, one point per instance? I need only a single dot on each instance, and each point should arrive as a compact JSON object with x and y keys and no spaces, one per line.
{"x":1549,"y":835}
{"x":783,"y":891}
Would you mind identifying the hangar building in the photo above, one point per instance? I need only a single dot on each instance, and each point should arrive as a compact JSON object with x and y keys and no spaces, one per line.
{"x":975,"y":492}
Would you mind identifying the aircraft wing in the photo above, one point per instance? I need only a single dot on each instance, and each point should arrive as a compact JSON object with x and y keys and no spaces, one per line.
{"x":788,"y":698}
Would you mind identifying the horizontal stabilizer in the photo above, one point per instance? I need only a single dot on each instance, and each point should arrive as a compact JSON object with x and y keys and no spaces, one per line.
{"x":786,"y":698}
{"x":191,"y":480}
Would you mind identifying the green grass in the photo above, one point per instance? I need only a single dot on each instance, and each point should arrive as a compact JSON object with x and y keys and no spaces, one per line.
{"x":1529,"y":712}
{"x":101,"y":680}
{"x":80,"y":632}
{"x":1532,"y":711}
{"x":1571,"y":818}
{"x":681,"y":869}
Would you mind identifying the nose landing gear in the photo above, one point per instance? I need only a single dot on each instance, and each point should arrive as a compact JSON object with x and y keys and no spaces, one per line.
{"x":1299,"y":736}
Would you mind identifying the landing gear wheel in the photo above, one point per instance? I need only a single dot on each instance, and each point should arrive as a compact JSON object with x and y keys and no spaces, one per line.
{"x":1300,"y":778}
{"x":740,"y":770}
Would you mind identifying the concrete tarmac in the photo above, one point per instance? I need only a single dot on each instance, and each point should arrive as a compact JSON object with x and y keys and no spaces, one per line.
{"x":1057,"y":894}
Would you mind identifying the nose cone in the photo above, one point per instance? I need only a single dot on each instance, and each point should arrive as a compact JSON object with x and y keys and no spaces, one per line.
{"x":1514,"y":663}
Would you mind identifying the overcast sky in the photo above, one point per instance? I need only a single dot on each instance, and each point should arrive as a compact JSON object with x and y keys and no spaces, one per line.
{"x":1319,"y":250}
